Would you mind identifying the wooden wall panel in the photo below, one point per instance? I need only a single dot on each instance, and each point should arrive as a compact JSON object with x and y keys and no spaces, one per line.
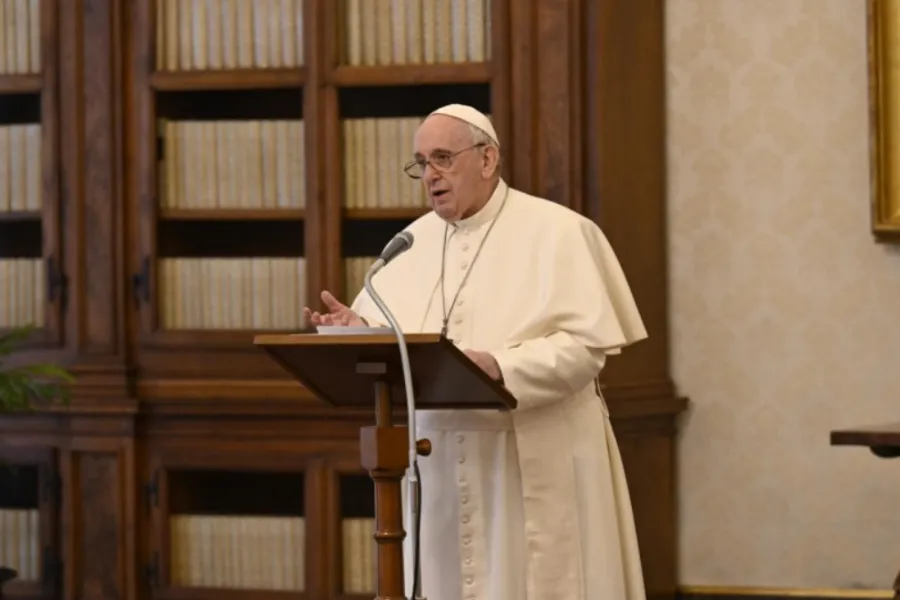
{"x":520,"y":151}
{"x":99,"y":519}
{"x":91,"y":52}
{"x":648,"y":448}
{"x":625,"y":169}
{"x":557,"y":68}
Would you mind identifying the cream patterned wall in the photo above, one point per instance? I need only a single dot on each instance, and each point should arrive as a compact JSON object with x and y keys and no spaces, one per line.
{"x":785,"y":312}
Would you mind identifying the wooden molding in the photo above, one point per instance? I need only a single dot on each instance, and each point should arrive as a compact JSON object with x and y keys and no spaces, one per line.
{"x":700,"y":592}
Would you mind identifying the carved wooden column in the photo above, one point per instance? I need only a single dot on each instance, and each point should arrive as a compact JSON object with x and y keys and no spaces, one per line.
{"x":99,"y":511}
{"x":547,"y":99}
{"x":98,"y":521}
{"x":625,"y":167}
{"x":92,"y":181}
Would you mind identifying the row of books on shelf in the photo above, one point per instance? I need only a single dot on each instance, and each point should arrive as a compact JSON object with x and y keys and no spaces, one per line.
{"x":259,"y":164}
{"x":20,"y":167}
{"x":375,"y":151}
{"x":20,"y":539}
{"x":397,"y":32}
{"x":22,"y":292}
{"x":232,"y":293}
{"x":242,"y":164}
{"x":262,"y":553}
{"x":196,"y":293}
{"x":233,"y":551}
{"x":20,"y":37}
{"x":241,"y":293}
{"x":358,"y":551}
{"x":260,"y":34}
{"x":355,"y":269}
{"x":228,"y":34}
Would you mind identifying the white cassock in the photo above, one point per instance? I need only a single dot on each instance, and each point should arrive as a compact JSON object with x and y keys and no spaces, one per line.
{"x":531,"y":503}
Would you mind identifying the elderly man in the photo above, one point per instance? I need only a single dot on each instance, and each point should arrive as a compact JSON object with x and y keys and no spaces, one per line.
{"x":531,"y":503}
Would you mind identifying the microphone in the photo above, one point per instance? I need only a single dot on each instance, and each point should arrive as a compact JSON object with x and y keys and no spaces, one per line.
{"x":400,"y":243}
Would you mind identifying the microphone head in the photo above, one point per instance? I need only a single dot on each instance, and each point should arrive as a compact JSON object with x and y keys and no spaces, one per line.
{"x":400,"y":243}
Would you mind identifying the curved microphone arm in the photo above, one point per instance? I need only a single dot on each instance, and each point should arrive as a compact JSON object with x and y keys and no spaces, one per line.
{"x":413,"y":475}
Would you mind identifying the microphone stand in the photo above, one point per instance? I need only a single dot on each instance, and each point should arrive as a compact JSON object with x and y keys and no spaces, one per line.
{"x":414,"y":505}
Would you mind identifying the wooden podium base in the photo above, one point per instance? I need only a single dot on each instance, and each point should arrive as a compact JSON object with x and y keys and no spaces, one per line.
{"x":384,"y":453}
{"x":343,"y":369}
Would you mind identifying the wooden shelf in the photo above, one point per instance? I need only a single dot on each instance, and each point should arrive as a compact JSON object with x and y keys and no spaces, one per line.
{"x":385,"y":214}
{"x":239,"y":214}
{"x":241,"y":79}
{"x":21,"y":236}
{"x":20,"y":216}
{"x":20,"y":84}
{"x":449,"y":73}
{"x":208,"y":399}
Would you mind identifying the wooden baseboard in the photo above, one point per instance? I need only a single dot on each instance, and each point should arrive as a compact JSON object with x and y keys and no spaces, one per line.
{"x":686,"y":592}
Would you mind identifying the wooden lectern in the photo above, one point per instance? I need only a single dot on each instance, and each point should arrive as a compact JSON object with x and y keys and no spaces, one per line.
{"x":345,"y":369}
{"x":883,"y":441}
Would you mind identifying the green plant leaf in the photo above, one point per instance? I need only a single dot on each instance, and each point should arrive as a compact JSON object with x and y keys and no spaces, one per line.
{"x":52,"y":371}
{"x":10,"y":340}
{"x":24,"y":387}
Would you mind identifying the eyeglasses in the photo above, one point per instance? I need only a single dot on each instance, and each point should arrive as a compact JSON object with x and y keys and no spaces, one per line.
{"x":440,"y":160}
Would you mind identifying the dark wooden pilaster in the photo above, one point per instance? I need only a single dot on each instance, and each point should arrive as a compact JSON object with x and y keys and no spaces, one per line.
{"x":99,"y":521}
{"x":92,"y":182}
{"x":625,"y":167}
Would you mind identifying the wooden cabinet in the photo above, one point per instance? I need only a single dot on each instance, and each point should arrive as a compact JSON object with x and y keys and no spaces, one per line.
{"x":31,"y":271}
{"x":228,"y":521}
{"x":29,"y":511}
{"x":205,"y":169}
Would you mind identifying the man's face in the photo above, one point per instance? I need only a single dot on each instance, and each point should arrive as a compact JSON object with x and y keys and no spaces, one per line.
{"x":455,"y":168}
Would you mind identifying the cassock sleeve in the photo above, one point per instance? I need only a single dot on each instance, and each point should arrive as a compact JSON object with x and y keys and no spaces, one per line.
{"x":570,"y":323}
{"x":548,"y":369}
{"x":365,"y":307}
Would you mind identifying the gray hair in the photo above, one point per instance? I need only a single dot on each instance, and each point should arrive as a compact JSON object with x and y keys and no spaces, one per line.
{"x":480,"y":136}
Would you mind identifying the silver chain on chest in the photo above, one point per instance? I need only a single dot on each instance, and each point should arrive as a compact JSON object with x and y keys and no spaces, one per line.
{"x":446,"y":313}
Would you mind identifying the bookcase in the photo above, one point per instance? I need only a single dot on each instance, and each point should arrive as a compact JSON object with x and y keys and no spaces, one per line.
{"x":29,"y":506}
{"x":32,"y":283}
{"x":31,"y":280}
{"x":211,"y":166}
{"x":226,"y":522}
{"x":271,"y":140}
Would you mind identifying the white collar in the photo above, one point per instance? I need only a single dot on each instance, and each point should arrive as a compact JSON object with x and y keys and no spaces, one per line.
{"x":487,"y":212}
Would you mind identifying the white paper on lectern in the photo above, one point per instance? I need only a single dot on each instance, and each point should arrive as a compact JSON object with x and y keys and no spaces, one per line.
{"x":341,"y":330}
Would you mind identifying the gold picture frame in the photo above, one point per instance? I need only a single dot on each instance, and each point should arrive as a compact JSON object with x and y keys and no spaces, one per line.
{"x":884,"y":90}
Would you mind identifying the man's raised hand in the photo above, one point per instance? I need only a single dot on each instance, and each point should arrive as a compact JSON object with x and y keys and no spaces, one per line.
{"x":337,"y":313}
